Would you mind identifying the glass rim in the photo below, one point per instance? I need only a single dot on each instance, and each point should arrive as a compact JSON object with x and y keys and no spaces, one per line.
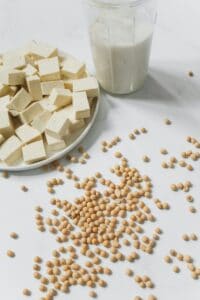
{"x":118,"y":4}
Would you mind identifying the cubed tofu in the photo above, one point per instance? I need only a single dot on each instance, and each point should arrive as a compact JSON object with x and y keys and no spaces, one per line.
{"x":40,"y":50}
{"x":54,"y":144}
{"x":31,"y":112}
{"x":57,"y":125}
{"x":48,"y":106}
{"x":14,"y":113}
{"x":4,"y":101}
{"x":48,"y":86}
{"x":14,"y":59}
{"x":16,"y":77}
{"x":4,"y":75}
{"x":13,"y":90}
{"x":49,"y":69}
{"x":20,"y":101}
{"x":10,"y":151}
{"x":74,"y":123}
{"x":34,"y":152}
{"x":68,"y":84}
{"x":72,"y":68}
{"x":30,"y":70}
{"x":89,"y":85}
{"x":6,"y":125}
{"x":40,"y":122}
{"x":4,"y":90}
{"x":81,"y":105}
{"x":27,"y":134}
{"x":2,"y":139}
{"x":34,"y":87}
{"x":60,"y":97}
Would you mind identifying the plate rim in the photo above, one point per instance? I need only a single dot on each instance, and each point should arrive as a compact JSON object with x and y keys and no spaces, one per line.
{"x":59,"y":154}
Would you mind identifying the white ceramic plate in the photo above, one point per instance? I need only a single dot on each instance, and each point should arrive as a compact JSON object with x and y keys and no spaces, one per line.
{"x":74,"y":141}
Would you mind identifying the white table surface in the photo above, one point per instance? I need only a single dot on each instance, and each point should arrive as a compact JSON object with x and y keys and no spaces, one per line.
{"x":168,"y":92}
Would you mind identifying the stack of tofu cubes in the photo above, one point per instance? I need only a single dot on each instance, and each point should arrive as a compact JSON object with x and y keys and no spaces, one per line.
{"x":44,"y":98}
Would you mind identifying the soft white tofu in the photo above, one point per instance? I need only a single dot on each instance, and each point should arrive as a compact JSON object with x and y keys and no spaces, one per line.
{"x":34,"y":152}
{"x":4,"y":90}
{"x":40,"y":50}
{"x":57,"y":125}
{"x":72,"y":68}
{"x":40,"y":122}
{"x":27,"y":134}
{"x":54,"y":144}
{"x":31,"y":112}
{"x":4,"y":101}
{"x":16,"y":77}
{"x":81,"y":105}
{"x":4,"y":75}
{"x":14,"y":59}
{"x":30,"y":70}
{"x":60,"y":97}
{"x":6,"y":125}
{"x":68,"y":83}
{"x":20,"y":101}
{"x":13,"y":90}
{"x":10,"y":151}
{"x":89,"y":85}
{"x":14,"y":113}
{"x":34,"y":87}
{"x":2,"y":139}
{"x":48,"y":86}
{"x":49,"y":69}
{"x":74,"y":123}
{"x":48,"y":106}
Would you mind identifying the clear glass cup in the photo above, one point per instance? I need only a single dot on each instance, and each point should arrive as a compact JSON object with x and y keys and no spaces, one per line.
{"x":121,"y":36}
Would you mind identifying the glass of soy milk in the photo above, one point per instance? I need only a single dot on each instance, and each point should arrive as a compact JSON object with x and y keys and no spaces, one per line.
{"x":121,"y":35}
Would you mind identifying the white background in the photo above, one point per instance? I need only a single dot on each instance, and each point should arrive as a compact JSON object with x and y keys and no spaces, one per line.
{"x":168,"y":92}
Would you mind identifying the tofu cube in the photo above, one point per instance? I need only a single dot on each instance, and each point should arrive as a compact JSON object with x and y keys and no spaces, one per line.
{"x":14,"y":59}
{"x":16,"y":77}
{"x":40,"y":50}
{"x":12,"y":90}
{"x":2,"y":139}
{"x":54,"y":144}
{"x":49,"y":69}
{"x":14,"y":113}
{"x":48,"y":86}
{"x":68,"y":84}
{"x":72,"y":68}
{"x":4,"y":90}
{"x":27,"y":134}
{"x":4,"y":75}
{"x":10,"y":151}
{"x":74,"y":123}
{"x":4,"y":101}
{"x":34,"y":152}
{"x":40,"y":122}
{"x":60,"y":97}
{"x":30,"y":70}
{"x":58,"y":125}
{"x":20,"y":101}
{"x":89,"y":85}
{"x":31,"y":112}
{"x":6,"y":126}
{"x":34,"y":87}
{"x":81,"y":105}
{"x":48,"y":106}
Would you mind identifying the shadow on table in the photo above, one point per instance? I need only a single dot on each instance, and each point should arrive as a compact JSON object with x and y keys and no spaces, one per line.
{"x":168,"y":87}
